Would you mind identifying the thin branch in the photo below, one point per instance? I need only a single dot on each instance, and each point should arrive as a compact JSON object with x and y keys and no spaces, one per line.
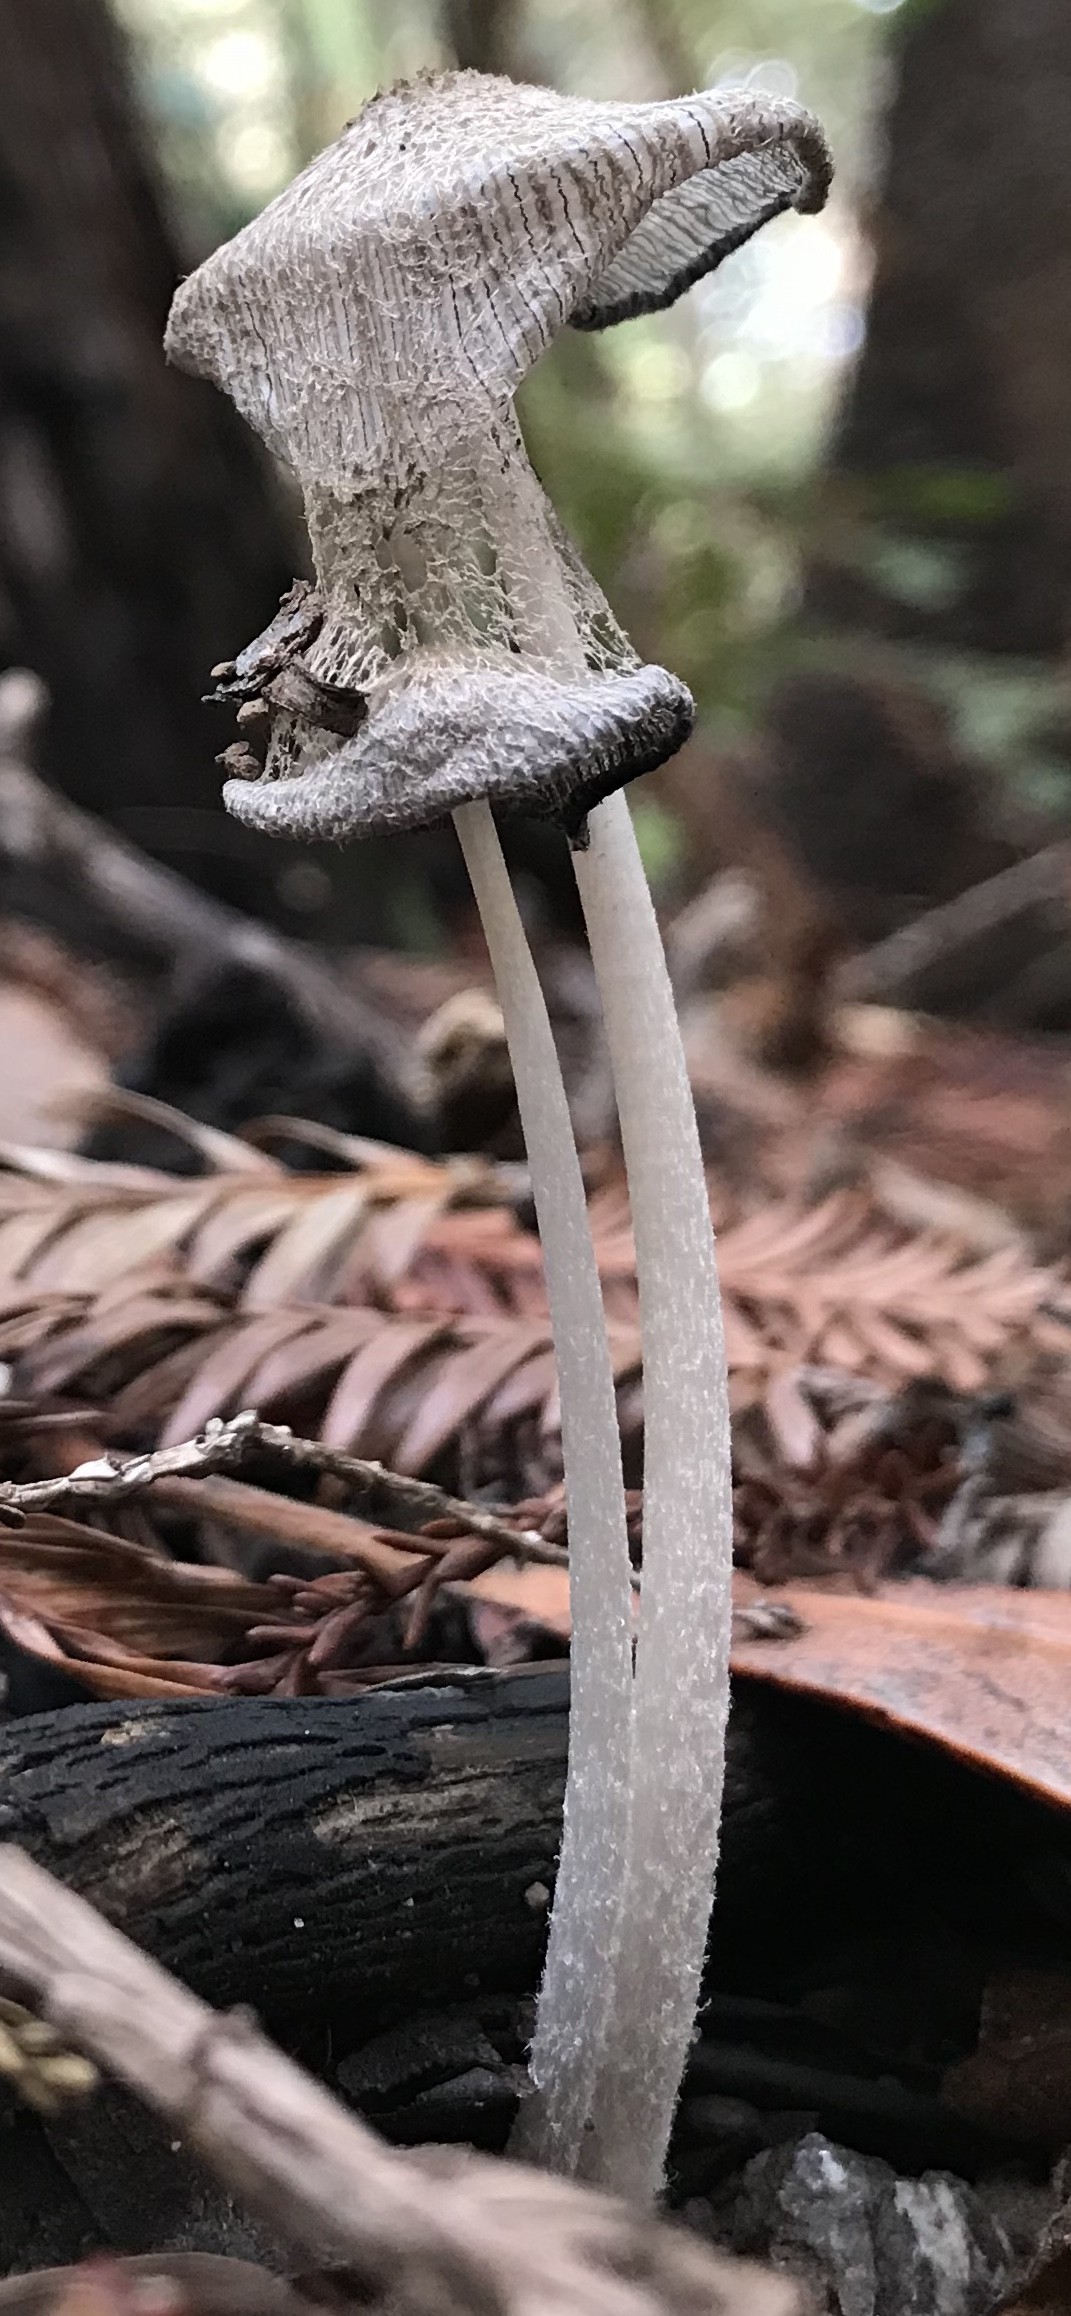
{"x":147,"y":909}
{"x":891,"y":970}
{"x":223,"y":1447}
{"x":444,"y":2233}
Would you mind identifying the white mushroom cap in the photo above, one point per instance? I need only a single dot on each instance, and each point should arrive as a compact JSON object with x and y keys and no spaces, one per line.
{"x":429,"y":256}
{"x":374,"y":324}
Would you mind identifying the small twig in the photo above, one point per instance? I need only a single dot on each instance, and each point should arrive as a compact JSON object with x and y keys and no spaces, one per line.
{"x":148,"y":910}
{"x":223,"y":1447}
{"x":444,"y":2233}
{"x":893,"y":969}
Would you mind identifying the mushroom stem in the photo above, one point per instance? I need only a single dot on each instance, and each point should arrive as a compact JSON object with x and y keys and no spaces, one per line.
{"x":374,"y":325}
{"x":681,"y":1690}
{"x":578,"y":1985}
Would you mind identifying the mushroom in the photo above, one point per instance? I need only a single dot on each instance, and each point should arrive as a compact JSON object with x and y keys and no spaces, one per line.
{"x":453,"y":654}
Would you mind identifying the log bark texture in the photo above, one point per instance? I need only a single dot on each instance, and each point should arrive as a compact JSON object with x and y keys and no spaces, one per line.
{"x":301,"y":1856}
{"x":344,"y":1868}
{"x":374,"y":1858}
{"x":360,"y":1858}
{"x":200,"y":1830}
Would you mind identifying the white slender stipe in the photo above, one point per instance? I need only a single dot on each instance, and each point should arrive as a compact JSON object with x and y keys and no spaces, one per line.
{"x":579,"y":1982}
{"x":450,"y":652}
{"x":681,"y":1694}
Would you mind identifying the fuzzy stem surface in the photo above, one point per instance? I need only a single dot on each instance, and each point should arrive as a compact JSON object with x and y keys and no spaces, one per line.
{"x":578,"y":1986}
{"x":681,"y":1691}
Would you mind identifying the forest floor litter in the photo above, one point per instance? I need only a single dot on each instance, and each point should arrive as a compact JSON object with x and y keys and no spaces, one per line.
{"x":280,"y":1423}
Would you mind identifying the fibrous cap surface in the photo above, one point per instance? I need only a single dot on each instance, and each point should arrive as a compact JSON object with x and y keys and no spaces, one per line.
{"x":373,"y":324}
{"x":430,"y":255}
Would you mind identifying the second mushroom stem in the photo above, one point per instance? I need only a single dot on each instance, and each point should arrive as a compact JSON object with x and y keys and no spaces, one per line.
{"x":681,"y":1697}
{"x":649,"y":1754}
{"x":579,"y":1986}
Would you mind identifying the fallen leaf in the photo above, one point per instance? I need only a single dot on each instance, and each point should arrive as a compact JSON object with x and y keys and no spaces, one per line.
{"x":982,"y":1671}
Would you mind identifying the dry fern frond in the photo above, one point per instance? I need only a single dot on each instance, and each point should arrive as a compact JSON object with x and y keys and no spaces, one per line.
{"x":840,"y":1285}
{"x":395,"y":1231}
{"x":424,"y":1395}
{"x":398,"y":1310}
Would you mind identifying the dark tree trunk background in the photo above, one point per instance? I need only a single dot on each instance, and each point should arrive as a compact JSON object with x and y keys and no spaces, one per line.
{"x":141,"y":534}
{"x":958,"y":424}
{"x":483,"y":34}
{"x":945,"y":513}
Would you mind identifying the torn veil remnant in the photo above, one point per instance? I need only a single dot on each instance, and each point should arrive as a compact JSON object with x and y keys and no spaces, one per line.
{"x":373,"y":324}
